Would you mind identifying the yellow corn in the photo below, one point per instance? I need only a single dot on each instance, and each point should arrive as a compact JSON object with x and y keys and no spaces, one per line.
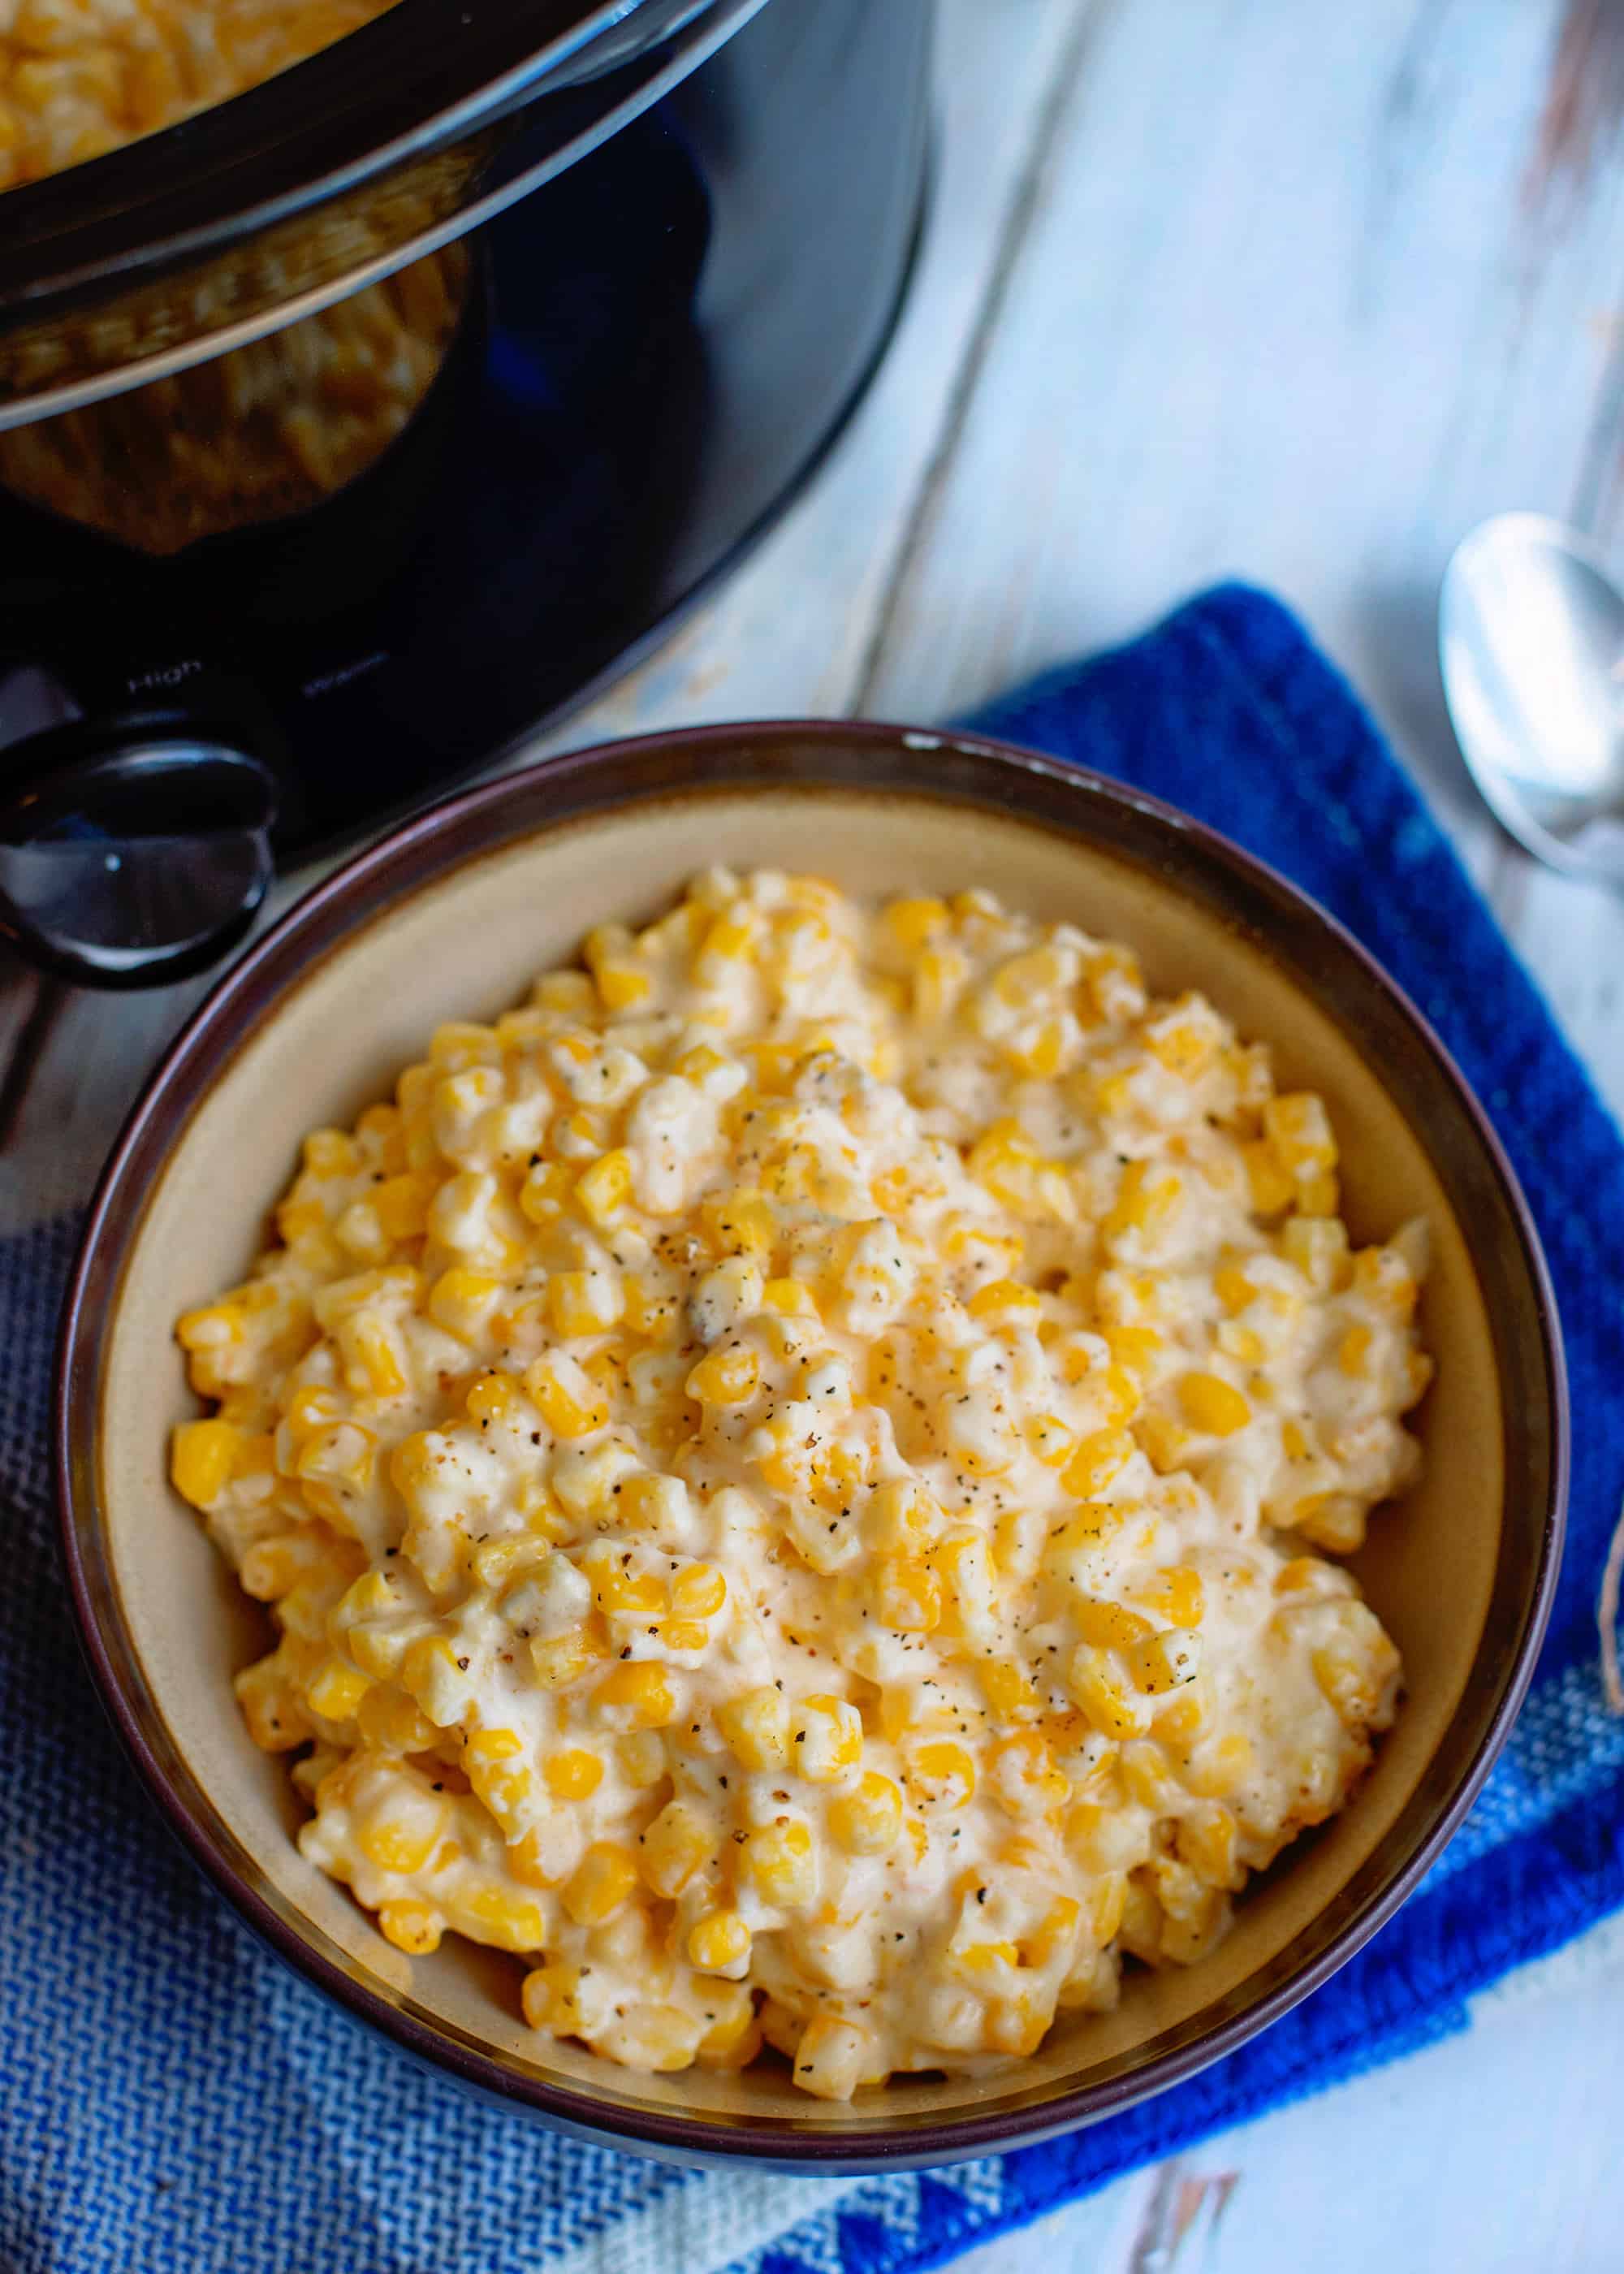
{"x":1096,"y":1465}
{"x":698,"y":1593}
{"x":336,"y":1690}
{"x":779,"y":1858}
{"x":548,"y":1998}
{"x":727,"y":1377}
{"x":941,"y":1775}
{"x":401,"y":1830}
{"x":1164,"y":1661}
{"x":584,"y":1302}
{"x":1109,"y":1626}
{"x":391,"y":1724}
{"x":431,"y":1675}
{"x":674,"y":1848}
{"x":462,"y":1301}
{"x":202,"y":1458}
{"x":560,"y":1660}
{"x":511,"y":1922}
{"x":573,"y":1775}
{"x":914,"y":924}
{"x":1094,"y":1684}
{"x":1176,"y":1595}
{"x":636,"y":1695}
{"x":906,"y":1595}
{"x":716,"y":1941}
{"x":1146,"y":1200}
{"x":1212,"y":1405}
{"x":830,"y":2058}
{"x":757,"y":1726}
{"x":1269,"y":1182}
{"x":604,"y":1189}
{"x":1008,"y":1691}
{"x":903,"y":1516}
{"x":1299,"y":1129}
{"x":867,"y":1820}
{"x":826,"y":1738}
{"x":570,"y":1403}
{"x":412,"y":1926}
{"x":607,"y":1874}
{"x":1317,"y":1246}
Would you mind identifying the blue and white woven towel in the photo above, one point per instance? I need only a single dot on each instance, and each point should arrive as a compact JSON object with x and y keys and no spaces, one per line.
{"x":172,"y":2101}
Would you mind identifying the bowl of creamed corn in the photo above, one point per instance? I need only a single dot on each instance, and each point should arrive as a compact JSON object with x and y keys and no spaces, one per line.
{"x":810,"y":1442}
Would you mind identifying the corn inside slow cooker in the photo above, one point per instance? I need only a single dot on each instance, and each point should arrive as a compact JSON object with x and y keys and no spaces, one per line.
{"x":268,"y":429}
{"x":79,"y":78}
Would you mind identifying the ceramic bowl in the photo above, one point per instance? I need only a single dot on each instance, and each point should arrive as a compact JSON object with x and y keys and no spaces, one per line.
{"x":450,"y":916}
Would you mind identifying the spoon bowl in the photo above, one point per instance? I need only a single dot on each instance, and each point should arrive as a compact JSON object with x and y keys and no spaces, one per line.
{"x":1531,"y":644}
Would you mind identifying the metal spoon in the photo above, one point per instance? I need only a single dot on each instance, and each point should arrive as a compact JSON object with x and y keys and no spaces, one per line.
{"x":1532,"y":641}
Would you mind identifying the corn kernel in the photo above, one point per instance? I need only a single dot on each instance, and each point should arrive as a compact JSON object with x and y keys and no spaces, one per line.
{"x":1220,"y":1769}
{"x":430,"y":1674}
{"x":674,"y":1846}
{"x":401,"y":1831}
{"x":335,"y":1691}
{"x":914,"y":924}
{"x":1165,"y":1661}
{"x":1094,"y":1684}
{"x":826,"y":1738}
{"x":607,"y":1873}
{"x":401,"y":1204}
{"x":903,"y":1516}
{"x":1008,"y":1690}
{"x":571,"y":1404}
{"x":573,"y":1775}
{"x":462,"y":1301}
{"x":941,"y":1775}
{"x":1176,"y":1595}
{"x":698,"y":1593}
{"x":604,"y":1189}
{"x":202,"y":1458}
{"x":1098,"y":1462}
{"x":560,"y":1660}
{"x":716,"y":1941}
{"x":780,"y":1860}
{"x":1269,"y":1182}
{"x":636,"y":1695}
{"x":390,"y":1723}
{"x":511,"y":1922}
{"x":1109,"y":1626}
{"x":412,"y":1926}
{"x":757,"y":1726}
{"x":867,"y":1820}
{"x":548,"y":1998}
{"x":830,"y":2058}
{"x":1212,"y":1405}
{"x":1299,"y":1129}
{"x":584,"y":1302}
{"x":906,"y":1595}
{"x":727,"y":1377}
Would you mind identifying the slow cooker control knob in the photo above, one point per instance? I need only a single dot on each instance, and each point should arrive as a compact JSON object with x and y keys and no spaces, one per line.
{"x":129,"y":858}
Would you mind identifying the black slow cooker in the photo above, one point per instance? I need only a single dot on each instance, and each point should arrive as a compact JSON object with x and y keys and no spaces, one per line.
{"x":685,"y":232}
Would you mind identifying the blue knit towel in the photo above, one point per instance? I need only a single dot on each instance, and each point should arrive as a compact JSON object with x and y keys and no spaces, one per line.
{"x":171,"y":2100}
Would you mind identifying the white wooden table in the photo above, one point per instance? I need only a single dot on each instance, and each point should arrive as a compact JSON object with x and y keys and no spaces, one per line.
{"x":1287,"y":288}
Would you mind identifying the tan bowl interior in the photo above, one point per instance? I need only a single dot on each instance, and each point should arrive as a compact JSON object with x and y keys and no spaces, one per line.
{"x":468,"y":946}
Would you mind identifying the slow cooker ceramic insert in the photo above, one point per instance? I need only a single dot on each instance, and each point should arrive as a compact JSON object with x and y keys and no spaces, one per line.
{"x":357,"y":426}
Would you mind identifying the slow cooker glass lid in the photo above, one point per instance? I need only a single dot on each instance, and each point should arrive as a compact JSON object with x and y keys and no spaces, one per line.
{"x":431,"y":118}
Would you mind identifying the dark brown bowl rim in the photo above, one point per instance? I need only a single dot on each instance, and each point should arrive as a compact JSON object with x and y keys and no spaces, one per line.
{"x":247,"y":994}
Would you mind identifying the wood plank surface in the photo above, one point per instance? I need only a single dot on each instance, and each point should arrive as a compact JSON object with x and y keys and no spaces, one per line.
{"x":1305,"y":295}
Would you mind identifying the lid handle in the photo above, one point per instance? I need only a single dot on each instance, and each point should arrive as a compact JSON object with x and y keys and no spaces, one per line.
{"x":139,"y":865}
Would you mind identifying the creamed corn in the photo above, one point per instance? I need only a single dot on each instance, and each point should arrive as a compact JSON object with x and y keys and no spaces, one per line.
{"x":789,"y":1473}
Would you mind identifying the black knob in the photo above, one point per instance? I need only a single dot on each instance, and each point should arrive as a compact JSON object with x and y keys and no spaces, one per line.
{"x":136,"y":863}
